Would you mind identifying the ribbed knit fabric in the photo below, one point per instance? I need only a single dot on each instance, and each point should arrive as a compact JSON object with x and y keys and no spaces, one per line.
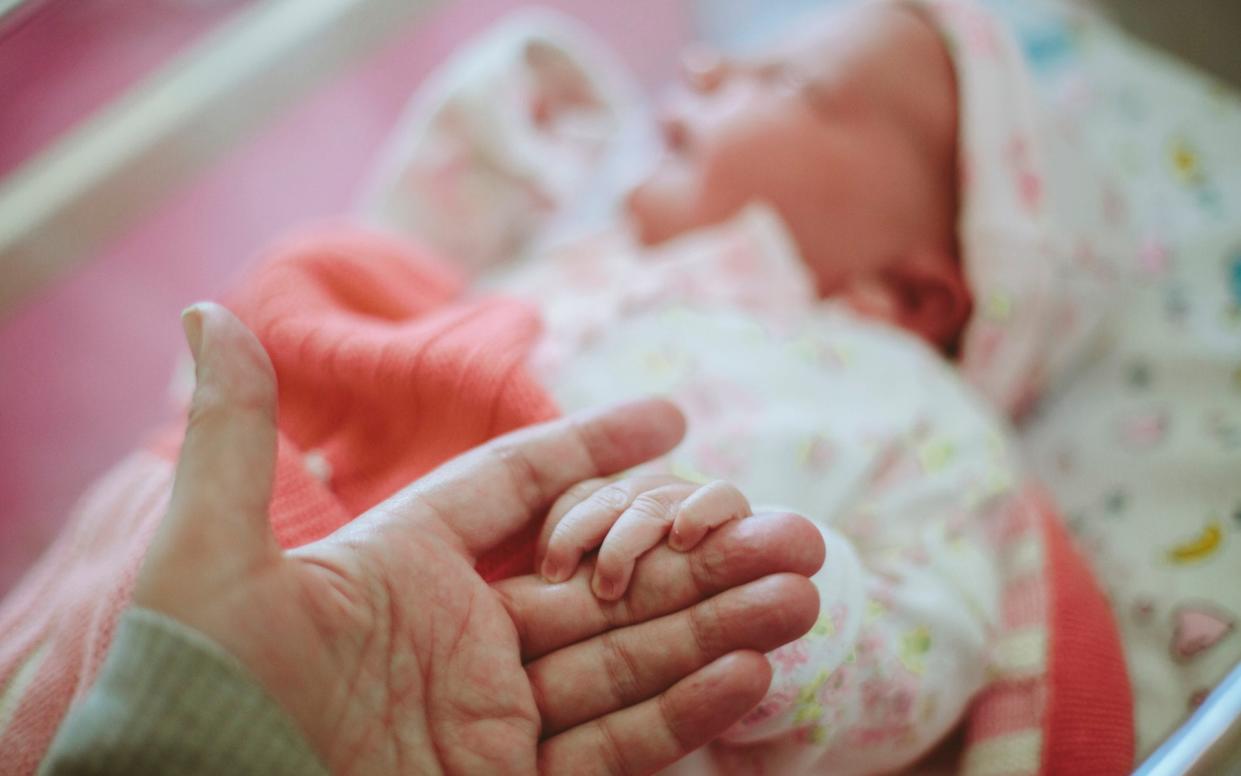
{"x":57,"y":625}
{"x":170,"y":702}
{"x":385,"y":370}
{"x":1089,"y":723}
{"x":1059,"y":700}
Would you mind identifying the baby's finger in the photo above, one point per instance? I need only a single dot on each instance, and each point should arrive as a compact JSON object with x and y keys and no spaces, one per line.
{"x":642,"y":526}
{"x":569,"y":499}
{"x":552,"y":617}
{"x":583,"y":527}
{"x":709,"y":507}
{"x":582,"y":491}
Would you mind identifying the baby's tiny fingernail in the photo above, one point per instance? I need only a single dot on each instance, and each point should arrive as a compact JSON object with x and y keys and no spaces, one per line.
{"x":604,"y":588}
{"x":677,"y":541}
{"x":552,"y":571}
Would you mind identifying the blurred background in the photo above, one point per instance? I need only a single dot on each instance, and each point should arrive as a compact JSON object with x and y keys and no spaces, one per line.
{"x":89,"y":326}
{"x":251,"y":117}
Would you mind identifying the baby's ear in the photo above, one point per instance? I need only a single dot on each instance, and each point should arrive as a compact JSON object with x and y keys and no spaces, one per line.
{"x":935,"y":299}
{"x":926,"y":293}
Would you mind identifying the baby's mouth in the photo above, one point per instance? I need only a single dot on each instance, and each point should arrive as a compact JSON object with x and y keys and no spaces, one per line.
{"x":675,"y":134}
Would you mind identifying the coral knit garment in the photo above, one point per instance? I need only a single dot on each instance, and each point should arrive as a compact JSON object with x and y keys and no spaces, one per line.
{"x":387,"y":367}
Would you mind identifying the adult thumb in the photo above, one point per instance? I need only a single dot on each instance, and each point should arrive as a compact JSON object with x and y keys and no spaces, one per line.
{"x":217,"y":517}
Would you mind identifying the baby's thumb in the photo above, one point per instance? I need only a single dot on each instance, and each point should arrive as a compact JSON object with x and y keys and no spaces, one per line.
{"x":217,"y":522}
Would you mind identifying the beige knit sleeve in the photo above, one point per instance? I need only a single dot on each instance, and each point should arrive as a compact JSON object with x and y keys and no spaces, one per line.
{"x":170,"y":701}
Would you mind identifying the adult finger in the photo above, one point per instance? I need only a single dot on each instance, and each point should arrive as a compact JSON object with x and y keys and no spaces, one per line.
{"x":658,"y":732}
{"x":225,"y":471}
{"x":549,"y":617}
{"x":481,"y":498}
{"x":624,"y":667}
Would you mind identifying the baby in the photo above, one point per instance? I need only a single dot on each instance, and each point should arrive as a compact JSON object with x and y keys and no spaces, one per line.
{"x":920,"y":190}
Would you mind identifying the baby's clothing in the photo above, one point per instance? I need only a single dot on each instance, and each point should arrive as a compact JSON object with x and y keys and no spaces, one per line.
{"x":1041,"y":231}
{"x":526,"y":125}
{"x":908,"y":475}
{"x":935,"y":584}
{"x":1144,"y":446}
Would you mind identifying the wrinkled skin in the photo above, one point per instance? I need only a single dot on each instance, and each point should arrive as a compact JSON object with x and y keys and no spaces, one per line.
{"x":391,"y":653}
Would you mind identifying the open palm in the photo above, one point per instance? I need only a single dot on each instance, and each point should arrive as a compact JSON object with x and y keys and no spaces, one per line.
{"x":394,"y":656}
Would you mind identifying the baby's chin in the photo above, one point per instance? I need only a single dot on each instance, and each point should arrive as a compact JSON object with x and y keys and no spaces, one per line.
{"x":664,"y":204}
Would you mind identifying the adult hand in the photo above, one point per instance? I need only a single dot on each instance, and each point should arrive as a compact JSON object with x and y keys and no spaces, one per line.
{"x":393,"y":655}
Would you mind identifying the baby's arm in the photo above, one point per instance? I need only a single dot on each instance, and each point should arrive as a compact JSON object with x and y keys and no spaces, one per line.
{"x":907,"y":610}
{"x":625,"y":518}
{"x":909,"y":597}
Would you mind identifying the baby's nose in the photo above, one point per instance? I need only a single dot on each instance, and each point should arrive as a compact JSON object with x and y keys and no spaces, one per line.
{"x":674,"y":131}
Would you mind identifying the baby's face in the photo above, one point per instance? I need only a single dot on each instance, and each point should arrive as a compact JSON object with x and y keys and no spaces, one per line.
{"x":839,"y":128}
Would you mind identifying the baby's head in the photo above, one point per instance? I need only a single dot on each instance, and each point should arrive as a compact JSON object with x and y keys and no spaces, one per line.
{"x":848,"y":129}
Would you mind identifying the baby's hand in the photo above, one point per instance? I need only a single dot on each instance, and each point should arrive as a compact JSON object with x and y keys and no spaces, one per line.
{"x":628,"y":517}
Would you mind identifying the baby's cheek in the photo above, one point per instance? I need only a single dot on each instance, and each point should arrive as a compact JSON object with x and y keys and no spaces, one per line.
{"x":732,"y":177}
{"x":770,"y":158}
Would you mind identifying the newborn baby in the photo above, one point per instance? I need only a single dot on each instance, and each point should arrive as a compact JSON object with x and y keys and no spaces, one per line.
{"x":925,"y":199}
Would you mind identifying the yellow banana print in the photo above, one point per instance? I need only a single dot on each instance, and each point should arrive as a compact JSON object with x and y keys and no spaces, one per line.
{"x":1200,"y":547}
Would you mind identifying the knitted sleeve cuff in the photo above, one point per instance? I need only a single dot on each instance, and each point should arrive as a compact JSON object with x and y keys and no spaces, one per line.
{"x":168,"y":700}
